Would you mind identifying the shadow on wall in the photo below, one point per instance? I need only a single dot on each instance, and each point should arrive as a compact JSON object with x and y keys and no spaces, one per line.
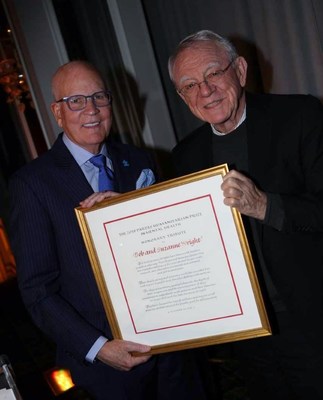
{"x":129,"y":116}
{"x":260,"y":70}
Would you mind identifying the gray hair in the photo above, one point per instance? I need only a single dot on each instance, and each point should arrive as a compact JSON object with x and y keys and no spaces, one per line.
{"x":202,"y":36}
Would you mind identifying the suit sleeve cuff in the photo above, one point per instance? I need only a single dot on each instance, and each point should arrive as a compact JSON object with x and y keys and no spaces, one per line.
{"x":275,"y":214}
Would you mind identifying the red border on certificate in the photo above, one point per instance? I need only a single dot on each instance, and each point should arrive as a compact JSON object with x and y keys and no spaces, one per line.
{"x":178,"y":274}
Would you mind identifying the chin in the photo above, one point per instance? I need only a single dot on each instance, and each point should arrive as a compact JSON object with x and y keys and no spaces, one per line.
{"x":96,"y":136}
{"x":218,"y":120}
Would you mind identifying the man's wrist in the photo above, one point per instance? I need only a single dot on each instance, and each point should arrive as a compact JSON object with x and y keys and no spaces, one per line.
{"x":98,"y":344}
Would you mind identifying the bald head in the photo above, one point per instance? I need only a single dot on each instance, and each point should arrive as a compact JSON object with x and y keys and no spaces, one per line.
{"x":69,"y":72}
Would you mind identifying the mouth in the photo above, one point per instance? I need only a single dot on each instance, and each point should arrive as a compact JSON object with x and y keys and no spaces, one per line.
{"x":91,"y":124}
{"x":213,"y":103}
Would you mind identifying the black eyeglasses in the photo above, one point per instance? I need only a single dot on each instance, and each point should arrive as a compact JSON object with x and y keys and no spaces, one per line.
{"x":212,"y":78}
{"x":78,"y":101}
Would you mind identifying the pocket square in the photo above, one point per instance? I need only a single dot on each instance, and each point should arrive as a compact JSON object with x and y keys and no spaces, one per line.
{"x":146,"y":178}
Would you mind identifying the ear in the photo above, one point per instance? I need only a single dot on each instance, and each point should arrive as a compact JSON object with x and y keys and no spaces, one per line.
{"x":56,"y":110}
{"x":241,"y":70}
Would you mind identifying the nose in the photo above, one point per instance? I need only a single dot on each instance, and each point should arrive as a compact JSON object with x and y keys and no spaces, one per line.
{"x":90,"y":107}
{"x":206,"y":88}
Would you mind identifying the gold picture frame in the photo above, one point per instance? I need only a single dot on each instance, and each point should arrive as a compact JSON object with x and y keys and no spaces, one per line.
{"x":173,"y":265}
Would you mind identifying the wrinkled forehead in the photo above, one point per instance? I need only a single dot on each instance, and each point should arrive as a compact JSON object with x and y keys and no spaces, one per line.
{"x":77,"y":80}
{"x":198,"y":58}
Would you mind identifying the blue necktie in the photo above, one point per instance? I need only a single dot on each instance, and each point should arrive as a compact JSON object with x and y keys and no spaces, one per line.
{"x":105,"y":173}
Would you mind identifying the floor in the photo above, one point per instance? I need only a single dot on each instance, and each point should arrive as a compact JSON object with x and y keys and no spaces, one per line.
{"x":31,"y":354}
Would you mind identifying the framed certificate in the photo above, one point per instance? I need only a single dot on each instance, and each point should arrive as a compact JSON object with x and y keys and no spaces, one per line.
{"x":173,"y":265}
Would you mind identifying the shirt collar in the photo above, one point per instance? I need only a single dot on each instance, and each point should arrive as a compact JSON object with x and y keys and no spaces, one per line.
{"x":81,"y":155}
{"x":243,"y":117}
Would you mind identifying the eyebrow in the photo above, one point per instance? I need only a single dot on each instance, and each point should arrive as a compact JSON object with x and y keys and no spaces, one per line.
{"x":215,"y":64}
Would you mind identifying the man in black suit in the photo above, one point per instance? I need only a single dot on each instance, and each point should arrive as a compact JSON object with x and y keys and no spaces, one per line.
{"x":53,"y":269}
{"x":273,"y":145}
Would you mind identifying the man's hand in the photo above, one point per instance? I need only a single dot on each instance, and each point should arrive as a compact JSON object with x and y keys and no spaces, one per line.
{"x":117,"y":354}
{"x":97,"y":197}
{"x":240,"y":192}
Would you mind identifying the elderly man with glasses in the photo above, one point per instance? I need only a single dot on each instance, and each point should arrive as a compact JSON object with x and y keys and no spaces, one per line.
{"x":54,"y":273}
{"x":273,"y":145}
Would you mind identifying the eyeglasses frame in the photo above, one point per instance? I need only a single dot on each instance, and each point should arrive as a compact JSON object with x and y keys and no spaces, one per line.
{"x":221,"y":72}
{"x":90,"y":96}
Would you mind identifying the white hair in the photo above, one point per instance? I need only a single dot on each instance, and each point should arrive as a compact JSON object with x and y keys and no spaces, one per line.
{"x":202,"y":36}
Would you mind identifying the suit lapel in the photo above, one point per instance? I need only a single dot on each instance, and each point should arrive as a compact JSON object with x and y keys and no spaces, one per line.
{"x":123,"y":167}
{"x":72,"y":179}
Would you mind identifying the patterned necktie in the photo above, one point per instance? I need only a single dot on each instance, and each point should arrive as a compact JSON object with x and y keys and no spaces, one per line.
{"x":105,"y":173}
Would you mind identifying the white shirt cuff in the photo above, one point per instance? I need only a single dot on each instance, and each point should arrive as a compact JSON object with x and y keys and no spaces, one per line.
{"x":98,"y":344}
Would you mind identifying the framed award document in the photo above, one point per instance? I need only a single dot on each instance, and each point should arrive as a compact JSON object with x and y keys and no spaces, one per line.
{"x":173,"y":265}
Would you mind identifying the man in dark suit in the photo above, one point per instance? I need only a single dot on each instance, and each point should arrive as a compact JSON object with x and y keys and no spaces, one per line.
{"x":53,"y":269}
{"x":273,"y":145}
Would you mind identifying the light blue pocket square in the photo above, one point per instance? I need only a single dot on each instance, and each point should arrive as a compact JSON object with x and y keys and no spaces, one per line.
{"x":146,"y":178}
